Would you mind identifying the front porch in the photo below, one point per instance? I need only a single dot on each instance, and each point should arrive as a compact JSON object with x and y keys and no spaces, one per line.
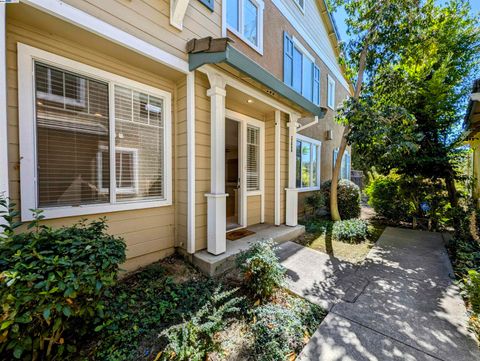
{"x":215,"y":265}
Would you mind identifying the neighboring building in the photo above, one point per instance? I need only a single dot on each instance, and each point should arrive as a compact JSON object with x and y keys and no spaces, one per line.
{"x":472,"y":126}
{"x":142,"y":112}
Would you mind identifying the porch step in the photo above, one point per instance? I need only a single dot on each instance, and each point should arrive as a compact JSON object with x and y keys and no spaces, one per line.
{"x":215,"y":265}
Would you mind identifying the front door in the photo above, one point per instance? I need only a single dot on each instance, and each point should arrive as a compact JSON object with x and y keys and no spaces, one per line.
{"x":232,"y":175}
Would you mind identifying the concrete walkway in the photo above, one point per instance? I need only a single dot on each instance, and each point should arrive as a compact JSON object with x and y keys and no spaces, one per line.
{"x":400,"y":304}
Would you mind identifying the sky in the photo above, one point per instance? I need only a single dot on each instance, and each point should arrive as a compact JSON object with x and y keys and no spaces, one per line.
{"x":340,"y":18}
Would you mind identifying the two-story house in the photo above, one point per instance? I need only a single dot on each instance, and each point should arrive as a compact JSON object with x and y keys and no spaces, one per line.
{"x":144,"y":112}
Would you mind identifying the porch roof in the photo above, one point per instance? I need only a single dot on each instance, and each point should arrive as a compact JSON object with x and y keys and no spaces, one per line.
{"x":216,"y":51}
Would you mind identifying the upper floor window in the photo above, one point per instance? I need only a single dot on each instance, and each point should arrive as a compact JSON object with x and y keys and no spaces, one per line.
{"x":245,"y":19}
{"x":345,"y":168}
{"x":308,"y":163}
{"x":299,"y":69}
{"x":331,"y":93}
{"x":91,"y":141}
{"x":301,"y":4}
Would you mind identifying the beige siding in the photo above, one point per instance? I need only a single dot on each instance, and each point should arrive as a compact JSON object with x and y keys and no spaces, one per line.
{"x":254,"y":207}
{"x":180,"y":155}
{"x":149,"y":233}
{"x":202,"y":158}
{"x":150,"y":20}
{"x":270,"y":168}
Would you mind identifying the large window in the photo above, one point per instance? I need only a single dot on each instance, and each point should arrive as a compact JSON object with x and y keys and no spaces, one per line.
{"x":245,"y":19}
{"x":345,"y":169}
{"x":299,"y":70}
{"x":102,"y":141}
{"x":308,"y":163}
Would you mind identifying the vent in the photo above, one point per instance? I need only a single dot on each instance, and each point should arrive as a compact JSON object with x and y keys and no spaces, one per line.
{"x":270,"y":92}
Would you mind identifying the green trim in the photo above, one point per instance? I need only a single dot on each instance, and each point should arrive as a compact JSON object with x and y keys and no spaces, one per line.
{"x":237,"y":60}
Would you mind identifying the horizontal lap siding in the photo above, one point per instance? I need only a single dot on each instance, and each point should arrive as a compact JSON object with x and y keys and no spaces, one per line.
{"x":270,"y":168}
{"x":254,"y":206}
{"x":150,"y":20}
{"x":149,"y":233}
{"x":202,"y":158}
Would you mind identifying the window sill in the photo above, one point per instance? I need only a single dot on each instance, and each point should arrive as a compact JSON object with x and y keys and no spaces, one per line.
{"x":61,"y":212}
{"x":258,"y":49}
{"x":331,"y":107}
{"x":254,"y":193}
{"x":309,"y":189}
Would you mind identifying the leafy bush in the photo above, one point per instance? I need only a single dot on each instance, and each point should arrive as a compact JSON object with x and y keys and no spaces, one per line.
{"x":350,"y":230}
{"x":194,"y":339}
{"x":315,"y":202}
{"x":280,"y":330}
{"x":385,"y":197}
{"x":319,"y":226}
{"x":261,"y":270}
{"x":51,"y":284}
{"x":472,"y":290}
{"x":348,"y":196}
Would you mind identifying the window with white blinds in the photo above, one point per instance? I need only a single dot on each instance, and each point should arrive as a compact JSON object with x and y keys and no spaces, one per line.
{"x":308,"y":163}
{"x":253,"y":158}
{"x":79,"y":158}
{"x":72,"y":122}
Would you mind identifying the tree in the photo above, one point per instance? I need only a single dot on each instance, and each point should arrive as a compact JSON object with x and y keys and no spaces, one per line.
{"x":415,"y":56}
{"x":380,"y":32}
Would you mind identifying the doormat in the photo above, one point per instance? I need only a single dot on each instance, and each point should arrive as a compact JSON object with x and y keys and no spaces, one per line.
{"x":239,"y":233}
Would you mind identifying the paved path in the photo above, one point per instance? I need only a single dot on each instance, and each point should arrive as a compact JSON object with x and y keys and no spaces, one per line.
{"x":400,"y":304}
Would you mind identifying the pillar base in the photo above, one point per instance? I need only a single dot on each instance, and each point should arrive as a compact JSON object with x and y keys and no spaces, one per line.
{"x":216,"y":223}
{"x":291,"y":217}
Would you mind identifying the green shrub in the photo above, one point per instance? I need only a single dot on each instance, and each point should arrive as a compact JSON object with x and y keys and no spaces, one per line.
{"x":315,"y":202}
{"x":51,"y":284}
{"x":348,"y":196}
{"x":280,"y":330}
{"x":385,"y":197}
{"x":472,"y":290}
{"x":261,"y":270}
{"x":194,"y":339}
{"x":350,"y":230}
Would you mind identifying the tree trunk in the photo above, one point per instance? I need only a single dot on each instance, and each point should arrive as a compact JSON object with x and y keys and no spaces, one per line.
{"x":452,"y":190}
{"x":343,"y":144}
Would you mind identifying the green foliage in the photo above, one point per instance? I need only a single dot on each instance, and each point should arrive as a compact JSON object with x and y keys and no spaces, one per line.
{"x":472,"y":290}
{"x":261,"y":269}
{"x":280,"y":330}
{"x":145,"y":303}
{"x":348,"y":198}
{"x":315,"y":202}
{"x":194,"y":339}
{"x":319,"y":226}
{"x":51,"y":284}
{"x":386,"y":198}
{"x":350,"y":230}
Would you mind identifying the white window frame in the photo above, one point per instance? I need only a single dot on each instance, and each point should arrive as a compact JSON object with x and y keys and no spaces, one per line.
{"x":119,"y":190}
{"x":302,"y":8}
{"x":297,"y":44}
{"x":27,"y":55}
{"x":260,"y":6}
{"x":331,"y":92}
{"x":319,"y":162}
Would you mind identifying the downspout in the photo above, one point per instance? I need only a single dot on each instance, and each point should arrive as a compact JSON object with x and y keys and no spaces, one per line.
{"x":191,"y":162}
{"x":4,"y":189}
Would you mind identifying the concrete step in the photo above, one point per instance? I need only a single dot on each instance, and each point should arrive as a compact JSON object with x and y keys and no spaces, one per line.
{"x":215,"y":265}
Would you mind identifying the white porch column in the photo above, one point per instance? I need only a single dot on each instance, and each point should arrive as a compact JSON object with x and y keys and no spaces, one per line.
{"x":216,"y":199}
{"x":3,"y":107}
{"x":277,"y":166}
{"x":291,"y":191}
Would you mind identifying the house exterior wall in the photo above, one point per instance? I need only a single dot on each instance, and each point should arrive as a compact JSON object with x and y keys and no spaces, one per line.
{"x":154,"y":233}
{"x":149,"y":233}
